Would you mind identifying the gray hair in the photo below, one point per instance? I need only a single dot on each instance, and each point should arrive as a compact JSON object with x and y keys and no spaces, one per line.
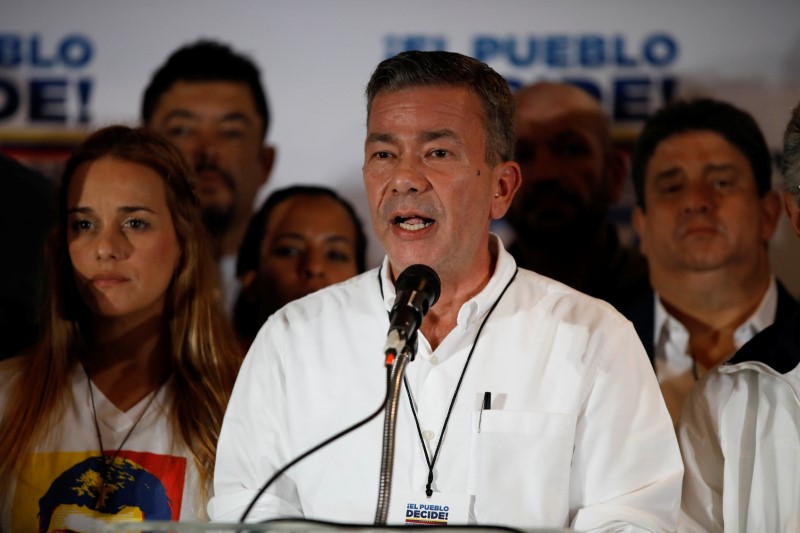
{"x":790,"y":164}
{"x":425,"y":69}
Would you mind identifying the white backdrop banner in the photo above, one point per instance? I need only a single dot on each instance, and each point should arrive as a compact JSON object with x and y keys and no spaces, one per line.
{"x":72,"y":66}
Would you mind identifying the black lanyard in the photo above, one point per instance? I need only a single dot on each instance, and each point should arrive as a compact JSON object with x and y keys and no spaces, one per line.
{"x":431,"y":464}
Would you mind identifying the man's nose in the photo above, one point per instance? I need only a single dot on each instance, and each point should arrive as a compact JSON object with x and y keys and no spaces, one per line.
{"x":409,"y":176}
{"x":203,"y":149}
{"x":699,"y":197}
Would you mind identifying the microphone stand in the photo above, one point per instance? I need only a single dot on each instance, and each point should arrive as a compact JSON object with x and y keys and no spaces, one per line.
{"x":389,"y":425}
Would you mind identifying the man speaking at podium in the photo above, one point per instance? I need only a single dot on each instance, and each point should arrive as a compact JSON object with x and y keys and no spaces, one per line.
{"x":528,"y":404}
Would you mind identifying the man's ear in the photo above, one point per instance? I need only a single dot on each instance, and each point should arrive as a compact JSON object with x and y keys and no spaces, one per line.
{"x":638,"y":219}
{"x":618,"y":164}
{"x":792,"y":210}
{"x":507,"y":180}
{"x":267,"y":162}
{"x":771,"y":211}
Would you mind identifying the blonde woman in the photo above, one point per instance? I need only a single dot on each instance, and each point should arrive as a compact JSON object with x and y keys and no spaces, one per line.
{"x":115,"y":415}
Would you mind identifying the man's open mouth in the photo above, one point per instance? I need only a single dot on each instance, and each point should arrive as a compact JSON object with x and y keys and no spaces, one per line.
{"x":413,"y":223}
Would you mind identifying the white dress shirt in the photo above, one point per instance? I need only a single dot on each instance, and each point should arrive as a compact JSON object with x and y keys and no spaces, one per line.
{"x":675,"y":366}
{"x":739,"y":436}
{"x":577,"y":434}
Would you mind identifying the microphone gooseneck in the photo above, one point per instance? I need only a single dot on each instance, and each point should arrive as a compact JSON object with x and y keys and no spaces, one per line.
{"x":418,"y":287}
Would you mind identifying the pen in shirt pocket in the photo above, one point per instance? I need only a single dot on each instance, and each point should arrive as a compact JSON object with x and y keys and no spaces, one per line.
{"x":487,"y":404}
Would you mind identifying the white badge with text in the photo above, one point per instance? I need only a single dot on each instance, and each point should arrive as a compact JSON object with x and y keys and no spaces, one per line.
{"x":416,"y":509}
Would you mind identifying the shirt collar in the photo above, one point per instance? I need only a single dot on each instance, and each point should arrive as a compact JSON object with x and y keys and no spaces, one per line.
{"x":669,"y":328}
{"x":476,"y":307}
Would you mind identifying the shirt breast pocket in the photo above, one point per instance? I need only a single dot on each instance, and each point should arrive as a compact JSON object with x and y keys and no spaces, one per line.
{"x":520,"y":467}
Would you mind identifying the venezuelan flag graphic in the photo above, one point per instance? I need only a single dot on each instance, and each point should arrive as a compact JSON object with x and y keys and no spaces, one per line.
{"x":66,"y":491}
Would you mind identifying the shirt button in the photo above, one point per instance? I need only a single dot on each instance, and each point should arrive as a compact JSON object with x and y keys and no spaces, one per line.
{"x":427,"y":434}
{"x":434,"y":360}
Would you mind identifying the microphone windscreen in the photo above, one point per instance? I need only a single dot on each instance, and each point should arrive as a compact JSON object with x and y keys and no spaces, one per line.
{"x":423,"y":280}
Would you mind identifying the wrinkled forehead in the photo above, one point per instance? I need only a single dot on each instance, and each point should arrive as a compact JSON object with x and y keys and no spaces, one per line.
{"x":413,"y":89}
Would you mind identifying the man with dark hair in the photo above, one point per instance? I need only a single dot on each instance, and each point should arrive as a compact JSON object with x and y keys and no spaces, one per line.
{"x":739,"y":431}
{"x":528,"y":404}
{"x":705,"y":214}
{"x":210,"y":102}
{"x":571,"y":174}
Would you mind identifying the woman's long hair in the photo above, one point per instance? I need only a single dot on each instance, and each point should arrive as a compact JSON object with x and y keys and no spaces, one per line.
{"x":204,"y":354}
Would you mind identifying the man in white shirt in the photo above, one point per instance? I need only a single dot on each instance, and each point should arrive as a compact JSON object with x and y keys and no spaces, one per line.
{"x":705,"y":215}
{"x":209,"y":101}
{"x":740,"y":431}
{"x":528,"y":404}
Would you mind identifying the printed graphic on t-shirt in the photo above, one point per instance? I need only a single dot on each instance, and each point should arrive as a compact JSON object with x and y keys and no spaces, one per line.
{"x":66,"y":491}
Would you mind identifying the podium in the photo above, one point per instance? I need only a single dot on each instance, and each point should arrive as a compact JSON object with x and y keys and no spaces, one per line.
{"x":290,"y":525}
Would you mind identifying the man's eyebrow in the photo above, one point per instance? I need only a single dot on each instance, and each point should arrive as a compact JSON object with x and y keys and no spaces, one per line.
{"x":235,"y":116}
{"x":714,"y":167}
{"x":673,"y":171}
{"x":179,"y":113}
{"x":425,"y":136}
{"x":381,"y":138}
{"x":667,"y":173}
{"x":570,"y":133}
{"x":445,"y":133}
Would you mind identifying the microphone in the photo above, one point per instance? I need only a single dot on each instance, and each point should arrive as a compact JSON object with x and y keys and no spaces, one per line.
{"x":418,"y":287}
